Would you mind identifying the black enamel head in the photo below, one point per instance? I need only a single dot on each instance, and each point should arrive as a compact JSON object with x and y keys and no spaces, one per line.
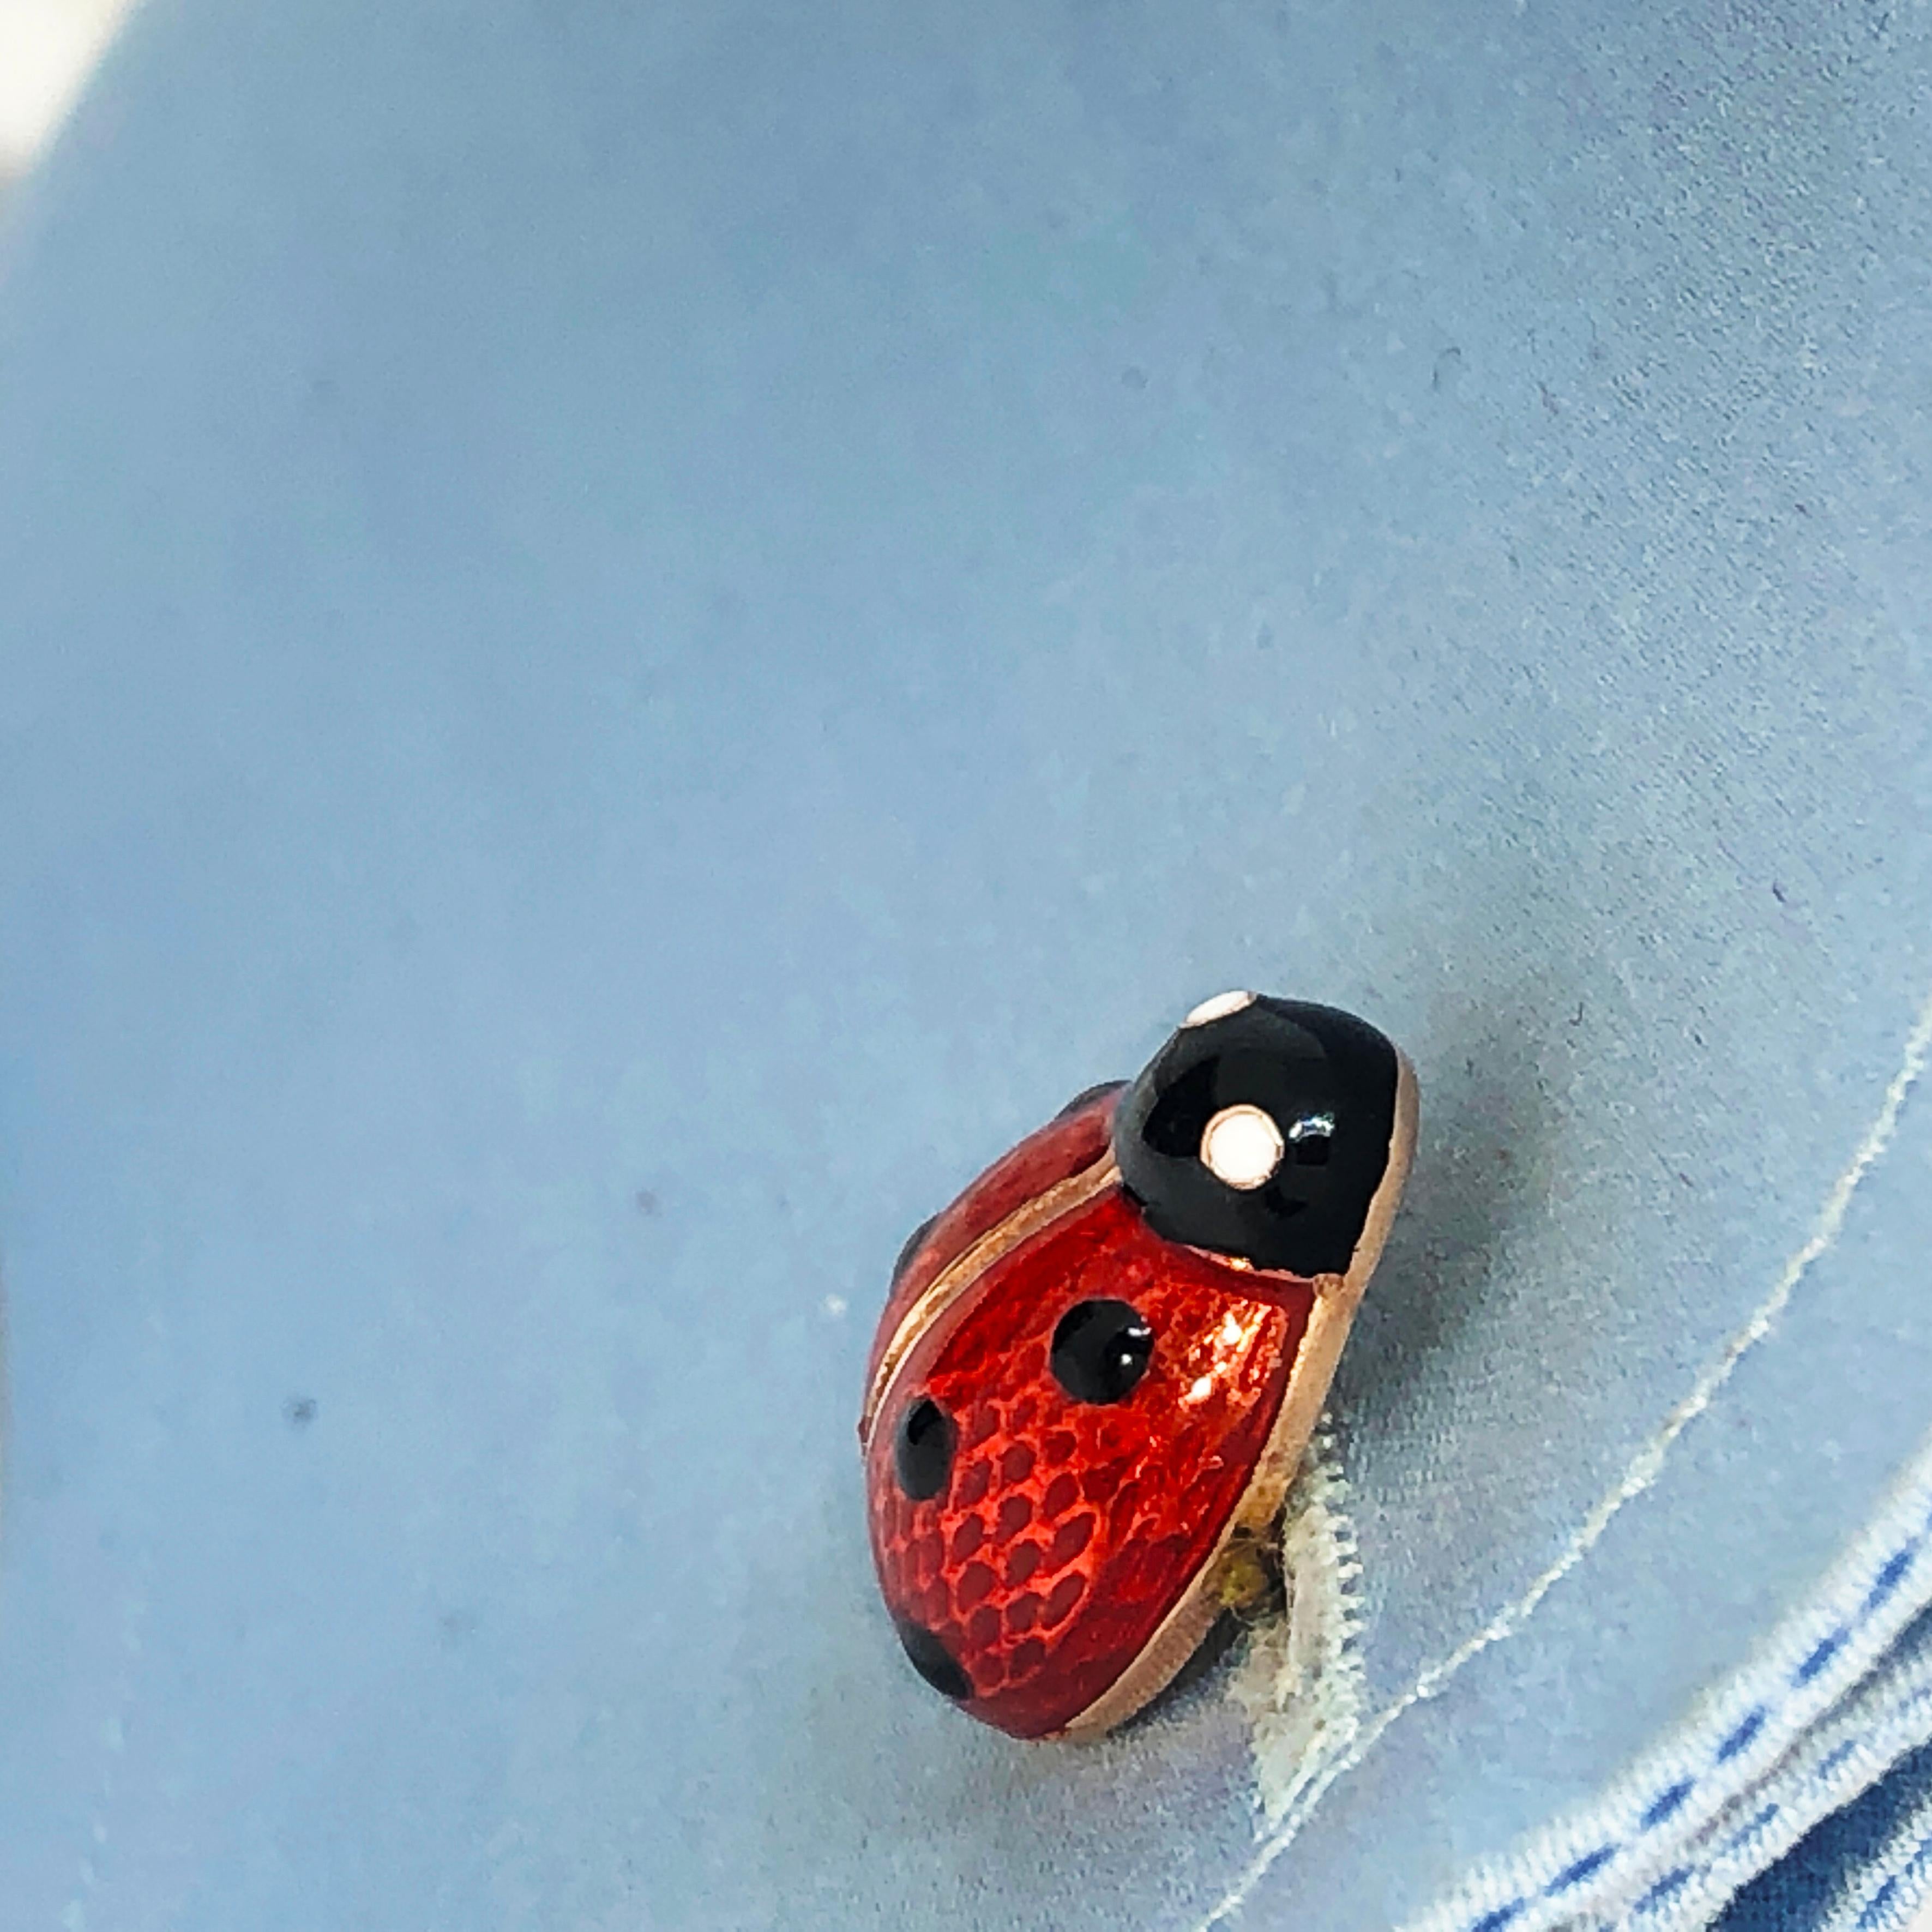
{"x":1262,"y":1129}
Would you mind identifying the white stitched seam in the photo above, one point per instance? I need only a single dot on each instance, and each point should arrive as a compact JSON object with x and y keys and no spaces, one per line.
{"x":1641,"y":1471}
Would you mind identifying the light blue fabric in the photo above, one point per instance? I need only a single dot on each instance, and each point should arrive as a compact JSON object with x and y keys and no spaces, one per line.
{"x":632,"y":637}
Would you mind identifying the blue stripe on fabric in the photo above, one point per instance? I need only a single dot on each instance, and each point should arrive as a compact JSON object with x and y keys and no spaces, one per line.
{"x":1575,"y":1874}
{"x":1495,"y":1921}
{"x":1670,"y":1882}
{"x":1875,"y":1905}
{"x":1668,"y":1802}
{"x":1888,"y":1578}
{"x":1828,"y":1649}
{"x":1743,"y":1734}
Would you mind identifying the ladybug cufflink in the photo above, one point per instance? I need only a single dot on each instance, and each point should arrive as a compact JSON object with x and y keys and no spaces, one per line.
{"x":1098,"y":1369}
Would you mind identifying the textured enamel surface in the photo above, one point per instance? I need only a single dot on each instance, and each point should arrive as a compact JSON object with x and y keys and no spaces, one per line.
{"x":1066,"y":1530}
{"x":1061,"y":1148}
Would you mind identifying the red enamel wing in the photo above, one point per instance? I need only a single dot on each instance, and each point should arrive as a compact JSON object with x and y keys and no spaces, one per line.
{"x":1097,"y":1370}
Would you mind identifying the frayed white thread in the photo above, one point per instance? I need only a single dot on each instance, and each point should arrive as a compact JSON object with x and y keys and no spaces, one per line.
{"x":1641,"y":1471}
{"x":1301,"y":1685}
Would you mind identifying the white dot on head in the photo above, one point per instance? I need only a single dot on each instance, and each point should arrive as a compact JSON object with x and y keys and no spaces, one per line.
{"x":1218,"y":1008}
{"x":1242,"y":1147}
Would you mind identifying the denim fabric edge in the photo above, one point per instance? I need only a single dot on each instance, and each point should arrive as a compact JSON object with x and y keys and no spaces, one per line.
{"x":1885,"y":1895}
{"x":1633,"y":1847}
{"x":1833,"y":1766}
